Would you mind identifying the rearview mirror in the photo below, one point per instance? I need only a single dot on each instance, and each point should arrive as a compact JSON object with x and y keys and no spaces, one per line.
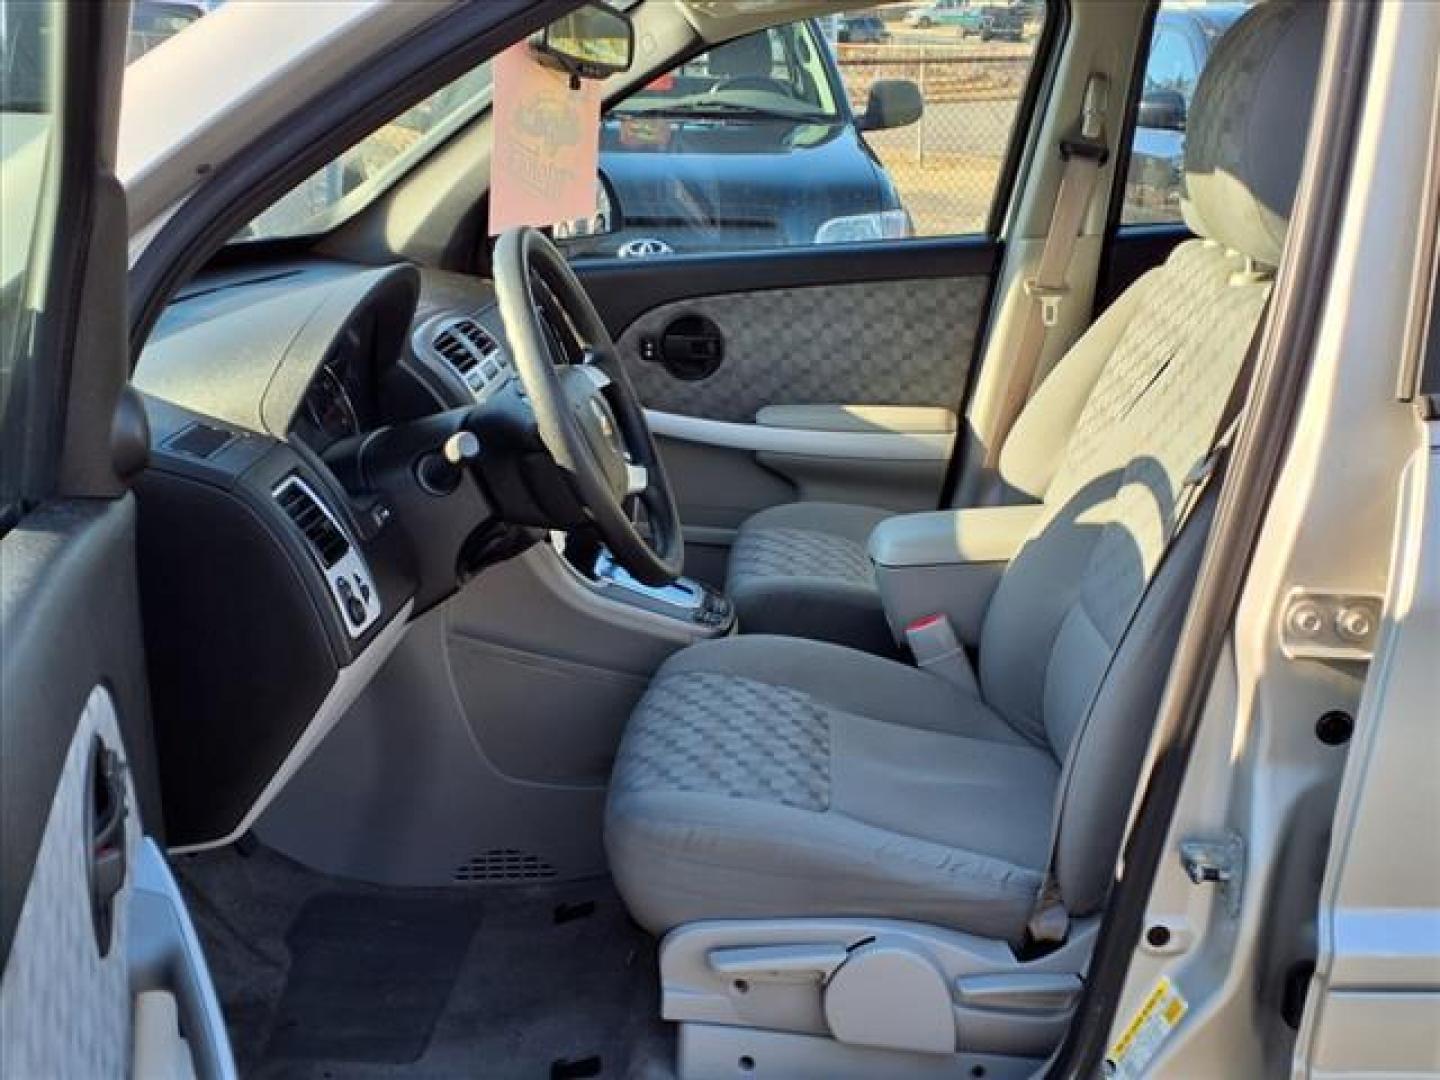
{"x":1163,"y":110}
{"x":592,"y":42}
{"x":892,"y":103}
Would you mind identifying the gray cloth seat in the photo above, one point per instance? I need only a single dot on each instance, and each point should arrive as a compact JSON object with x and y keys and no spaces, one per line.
{"x":801,"y":568}
{"x":762,"y":769}
{"x":774,"y":776}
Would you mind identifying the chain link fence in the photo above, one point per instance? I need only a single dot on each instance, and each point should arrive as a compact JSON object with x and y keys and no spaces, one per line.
{"x":947,"y":164}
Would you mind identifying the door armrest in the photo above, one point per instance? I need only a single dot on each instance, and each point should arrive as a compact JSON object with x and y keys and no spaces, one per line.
{"x":864,"y":419}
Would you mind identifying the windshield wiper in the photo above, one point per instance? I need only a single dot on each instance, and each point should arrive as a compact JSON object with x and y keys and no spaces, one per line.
{"x":722,"y":111}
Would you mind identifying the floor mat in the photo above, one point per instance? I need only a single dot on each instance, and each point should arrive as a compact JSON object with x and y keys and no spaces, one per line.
{"x":553,"y":974}
{"x":352,"y":957}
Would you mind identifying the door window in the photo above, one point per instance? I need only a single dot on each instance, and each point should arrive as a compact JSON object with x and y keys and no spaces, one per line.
{"x":29,"y":174}
{"x":1184,"y":38}
{"x":791,"y":137}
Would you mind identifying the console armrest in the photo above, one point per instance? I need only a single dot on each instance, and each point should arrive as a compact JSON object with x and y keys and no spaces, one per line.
{"x":944,"y":537}
{"x":861,"y":419}
{"x":947,"y":562}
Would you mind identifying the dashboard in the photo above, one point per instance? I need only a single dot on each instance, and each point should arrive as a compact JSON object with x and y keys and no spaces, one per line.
{"x":269,"y":533}
{"x":340,"y":402}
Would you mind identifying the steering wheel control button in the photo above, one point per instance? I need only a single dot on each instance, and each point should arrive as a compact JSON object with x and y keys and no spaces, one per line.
{"x":595,"y":375}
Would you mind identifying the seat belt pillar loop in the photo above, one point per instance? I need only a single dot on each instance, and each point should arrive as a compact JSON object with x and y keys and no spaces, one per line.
{"x":1084,"y":153}
{"x":1097,"y":104}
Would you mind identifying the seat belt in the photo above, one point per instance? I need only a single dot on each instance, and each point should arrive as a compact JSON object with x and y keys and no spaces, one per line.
{"x":1084,"y":155}
{"x":1049,"y":921}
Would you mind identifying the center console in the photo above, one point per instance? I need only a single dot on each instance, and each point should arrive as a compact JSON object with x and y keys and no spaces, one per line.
{"x":684,"y":599}
{"x":947,"y":562}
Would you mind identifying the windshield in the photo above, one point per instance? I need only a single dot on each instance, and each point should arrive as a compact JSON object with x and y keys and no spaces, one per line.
{"x":153,"y":22}
{"x":780,"y":72}
{"x":374,"y":163}
{"x":360,"y":173}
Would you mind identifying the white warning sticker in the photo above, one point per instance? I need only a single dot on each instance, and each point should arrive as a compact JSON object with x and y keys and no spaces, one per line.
{"x":1146,"y":1032}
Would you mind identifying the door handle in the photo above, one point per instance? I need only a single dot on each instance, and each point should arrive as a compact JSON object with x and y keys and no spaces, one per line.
{"x":106,"y":811}
{"x":690,"y":348}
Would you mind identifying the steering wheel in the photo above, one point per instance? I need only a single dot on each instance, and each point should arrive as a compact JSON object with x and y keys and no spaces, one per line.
{"x":586,"y":410}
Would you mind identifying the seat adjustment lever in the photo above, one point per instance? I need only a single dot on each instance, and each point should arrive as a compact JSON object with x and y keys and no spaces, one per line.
{"x":779,"y":963}
{"x":1027,"y":992}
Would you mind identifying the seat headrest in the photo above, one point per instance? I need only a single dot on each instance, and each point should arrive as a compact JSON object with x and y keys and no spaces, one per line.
{"x":1248,"y":124}
{"x":746,"y":56}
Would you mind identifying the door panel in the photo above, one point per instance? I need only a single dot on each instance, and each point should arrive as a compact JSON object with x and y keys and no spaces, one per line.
{"x":625,"y":289}
{"x":65,"y":1004}
{"x":77,"y":782}
{"x":882,"y":324}
{"x":881,"y":343}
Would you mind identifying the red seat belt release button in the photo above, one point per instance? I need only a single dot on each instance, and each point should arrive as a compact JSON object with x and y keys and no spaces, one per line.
{"x":936,"y":649}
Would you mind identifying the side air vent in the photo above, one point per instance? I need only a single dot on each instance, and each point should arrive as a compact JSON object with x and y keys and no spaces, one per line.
{"x":470,"y":351}
{"x":303,"y":508}
{"x":346,"y":574}
{"x":504,"y":864}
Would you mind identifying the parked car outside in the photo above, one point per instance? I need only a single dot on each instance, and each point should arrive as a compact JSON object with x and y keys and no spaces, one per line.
{"x":757,"y":142}
{"x":988,"y":22}
{"x":1180,"y":47}
{"x":862,"y":30}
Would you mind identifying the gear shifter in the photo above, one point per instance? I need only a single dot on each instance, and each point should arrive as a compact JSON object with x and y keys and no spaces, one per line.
{"x":683,"y":598}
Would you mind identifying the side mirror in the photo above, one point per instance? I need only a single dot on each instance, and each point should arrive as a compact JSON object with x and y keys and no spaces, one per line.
{"x":892,"y":103}
{"x":1162,"y":109}
{"x":592,"y":42}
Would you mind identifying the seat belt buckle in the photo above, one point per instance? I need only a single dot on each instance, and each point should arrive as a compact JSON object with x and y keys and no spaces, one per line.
{"x":1049,"y":298}
{"x":936,"y":649}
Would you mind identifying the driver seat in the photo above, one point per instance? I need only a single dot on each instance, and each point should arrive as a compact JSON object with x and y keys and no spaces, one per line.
{"x":775,"y":777}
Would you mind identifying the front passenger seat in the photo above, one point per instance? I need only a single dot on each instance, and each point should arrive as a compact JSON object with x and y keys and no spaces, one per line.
{"x":803,"y":569}
{"x":781,"y":777}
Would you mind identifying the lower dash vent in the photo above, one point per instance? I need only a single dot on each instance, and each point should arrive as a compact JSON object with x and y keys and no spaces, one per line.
{"x":504,"y":864}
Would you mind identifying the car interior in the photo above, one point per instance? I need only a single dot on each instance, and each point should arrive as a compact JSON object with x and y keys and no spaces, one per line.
{"x":717,"y":663}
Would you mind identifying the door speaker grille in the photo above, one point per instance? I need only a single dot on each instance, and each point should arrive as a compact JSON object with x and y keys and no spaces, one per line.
{"x":504,"y":864}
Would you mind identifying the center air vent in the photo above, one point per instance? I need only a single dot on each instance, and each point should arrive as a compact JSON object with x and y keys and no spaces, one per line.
{"x":304,"y":509}
{"x":469,"y":350}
